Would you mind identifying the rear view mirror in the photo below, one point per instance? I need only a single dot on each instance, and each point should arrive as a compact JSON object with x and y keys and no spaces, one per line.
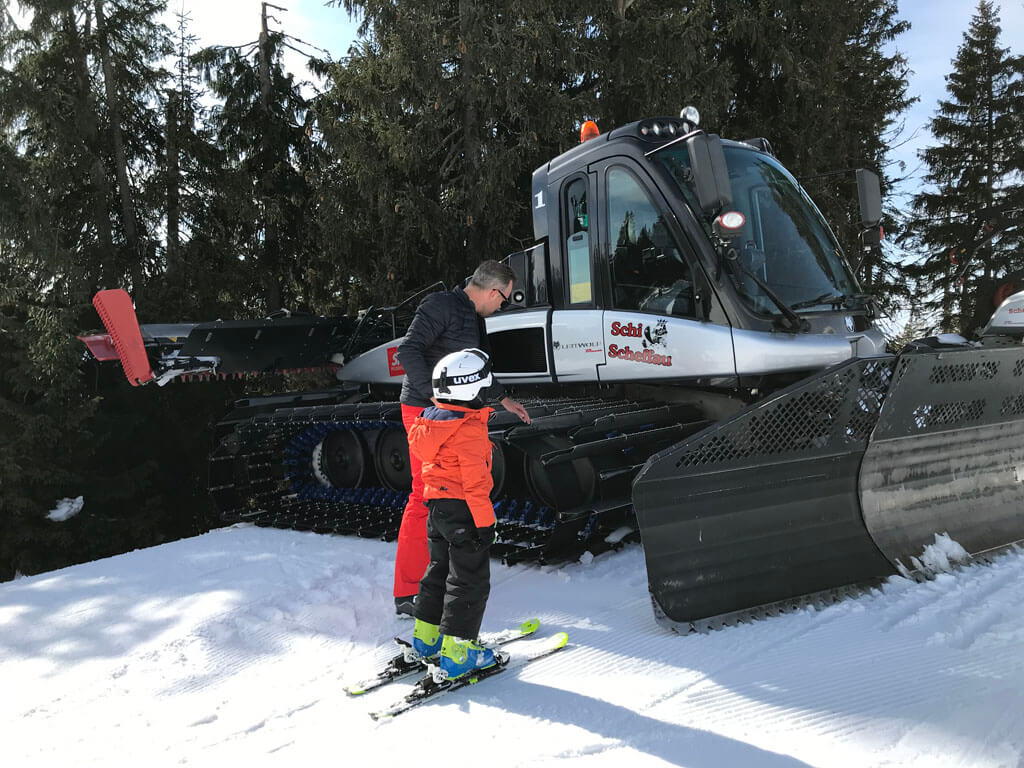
{"x":869,"y":194}
{"x":531,"y":284}
{"x":710,"y":173}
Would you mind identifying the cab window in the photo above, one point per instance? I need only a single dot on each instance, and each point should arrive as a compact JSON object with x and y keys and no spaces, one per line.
{"x":649,"y":273}
{"x":577,"y":244}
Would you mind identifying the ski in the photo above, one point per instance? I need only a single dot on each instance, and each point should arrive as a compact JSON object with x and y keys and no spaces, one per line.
{"x":405,"y":663}
{"x":427,"y":689}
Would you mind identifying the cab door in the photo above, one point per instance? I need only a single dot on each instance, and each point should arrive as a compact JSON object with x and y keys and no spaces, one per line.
{"x":576,"y":336}
{"x":652,"y":324}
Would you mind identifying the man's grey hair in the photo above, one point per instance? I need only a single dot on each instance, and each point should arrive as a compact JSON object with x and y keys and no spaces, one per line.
{"x":491,"y":274}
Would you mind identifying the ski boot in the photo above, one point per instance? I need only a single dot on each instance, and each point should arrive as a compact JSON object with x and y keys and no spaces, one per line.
{"x":460,"y":657}
{"x":405,"y":607}
{"x":426,"y":641}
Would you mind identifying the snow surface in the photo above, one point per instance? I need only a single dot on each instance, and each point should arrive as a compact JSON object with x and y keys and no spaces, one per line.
{"x":66,"y":509}
{"x":233,"y":648}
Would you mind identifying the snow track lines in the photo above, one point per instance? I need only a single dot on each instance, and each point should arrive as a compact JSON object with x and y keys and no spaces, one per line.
{"x":233,"y":648}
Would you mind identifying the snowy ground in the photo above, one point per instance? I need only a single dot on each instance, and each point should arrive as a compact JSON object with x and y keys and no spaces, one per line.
{"x":233,"y":648}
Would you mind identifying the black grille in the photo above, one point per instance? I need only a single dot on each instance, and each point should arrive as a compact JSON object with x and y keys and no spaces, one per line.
{"x":1012,"y":406}
{"x":522,"y":350}
{"x":948,"y":414}
{"x":838,"y":408}
{"x":952,"y":389}
{"x":942,"y":374}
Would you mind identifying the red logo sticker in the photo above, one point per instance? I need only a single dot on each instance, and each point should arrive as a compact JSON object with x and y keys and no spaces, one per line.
{"x":628,"y":329}
{"x":394,"y":367}
{"x":640,"y":356}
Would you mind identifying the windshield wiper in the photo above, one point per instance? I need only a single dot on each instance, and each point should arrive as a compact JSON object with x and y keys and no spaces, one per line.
{"x":825,"y":298}
{"x":845,"y":300}
{"x":793,"y":320}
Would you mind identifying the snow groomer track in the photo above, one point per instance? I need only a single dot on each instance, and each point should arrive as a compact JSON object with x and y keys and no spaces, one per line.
{"x":562,"y":483}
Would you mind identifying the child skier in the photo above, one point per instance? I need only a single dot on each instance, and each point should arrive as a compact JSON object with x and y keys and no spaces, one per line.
{"x":451,"y":439}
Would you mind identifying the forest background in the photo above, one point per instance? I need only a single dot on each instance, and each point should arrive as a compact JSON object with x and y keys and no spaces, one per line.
{"x":212,"y":182}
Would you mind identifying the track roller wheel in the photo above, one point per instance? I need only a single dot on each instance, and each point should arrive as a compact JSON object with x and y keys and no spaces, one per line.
{"x":340,"y":460}
{"x":391,"y":459}
{"x":560,"y":486}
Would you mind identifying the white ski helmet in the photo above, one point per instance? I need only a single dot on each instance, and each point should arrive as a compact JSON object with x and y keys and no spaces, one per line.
{"x":461,"y":375}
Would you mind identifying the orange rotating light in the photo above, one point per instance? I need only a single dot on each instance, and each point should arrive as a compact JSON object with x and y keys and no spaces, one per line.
{"x":589,"y":131}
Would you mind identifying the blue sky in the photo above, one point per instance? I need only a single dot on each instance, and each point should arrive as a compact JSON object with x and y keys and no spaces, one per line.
{"x":235,"y":22}
{"x":937,"y":30}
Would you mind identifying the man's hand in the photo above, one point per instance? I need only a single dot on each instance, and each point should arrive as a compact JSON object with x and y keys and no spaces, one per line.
{"x":511,"y":405}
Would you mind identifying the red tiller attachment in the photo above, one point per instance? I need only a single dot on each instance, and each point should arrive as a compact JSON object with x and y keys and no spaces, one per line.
{"x":118,"y":315}
{"x":101,"y":346}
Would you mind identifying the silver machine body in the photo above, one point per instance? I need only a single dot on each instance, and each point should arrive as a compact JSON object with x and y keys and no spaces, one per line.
{"x":614,"y":346}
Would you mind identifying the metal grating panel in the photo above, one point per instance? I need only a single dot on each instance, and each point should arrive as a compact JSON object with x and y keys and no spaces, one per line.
{"x":952,"y":414}
{"x":1012,"y":406}
{"x":941,"y":374}
{"x":839,"y":408}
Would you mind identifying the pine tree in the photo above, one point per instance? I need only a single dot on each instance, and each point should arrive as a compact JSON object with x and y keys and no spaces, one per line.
{"x":264,"y":200}
{"x":655,"y":57}
{"x":965,"y":217}
{"x":70,"y":222}
{"x":54,"y":228}
{"x":435,"y":122}
{"x":200,"y":277}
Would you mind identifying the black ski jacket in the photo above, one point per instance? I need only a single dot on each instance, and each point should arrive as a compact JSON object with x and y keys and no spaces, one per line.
{"x":444,"y":322}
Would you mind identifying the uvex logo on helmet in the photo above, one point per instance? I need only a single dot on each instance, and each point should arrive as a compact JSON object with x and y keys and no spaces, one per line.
{"x":460,"y":376}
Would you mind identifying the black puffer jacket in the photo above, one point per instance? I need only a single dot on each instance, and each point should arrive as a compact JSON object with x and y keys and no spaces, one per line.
{"x":444,"y":323}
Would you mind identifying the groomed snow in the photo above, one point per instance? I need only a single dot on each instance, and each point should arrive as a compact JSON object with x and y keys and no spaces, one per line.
{"x":233,"y":648}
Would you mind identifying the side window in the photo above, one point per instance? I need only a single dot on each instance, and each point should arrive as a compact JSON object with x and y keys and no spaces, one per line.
{"x":649,"y":272}
{"x":577,"y":244}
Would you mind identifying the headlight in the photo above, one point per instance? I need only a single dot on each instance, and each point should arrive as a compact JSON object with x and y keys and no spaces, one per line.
{"x":691,"y":115}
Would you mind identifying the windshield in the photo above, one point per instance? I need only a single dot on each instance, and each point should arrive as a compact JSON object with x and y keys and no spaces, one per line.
{"x":786,"y":242}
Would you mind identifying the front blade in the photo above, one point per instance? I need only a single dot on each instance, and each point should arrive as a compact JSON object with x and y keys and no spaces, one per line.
{"x":763,"y":507}
{"x":947,"y":455}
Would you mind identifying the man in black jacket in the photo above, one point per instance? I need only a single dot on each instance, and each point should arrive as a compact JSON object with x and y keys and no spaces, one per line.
{"x":444,"y":323}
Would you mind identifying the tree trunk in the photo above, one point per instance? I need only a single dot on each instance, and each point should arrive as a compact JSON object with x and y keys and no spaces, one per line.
{"x":174,"y":271}
{"x":271,"y":261}
{"x":85,"y":116}
{"x":131,"y":235}
{"x":468,"y":38}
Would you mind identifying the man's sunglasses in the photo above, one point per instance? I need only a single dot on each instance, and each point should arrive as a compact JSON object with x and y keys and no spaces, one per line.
{"x":504,"y":299}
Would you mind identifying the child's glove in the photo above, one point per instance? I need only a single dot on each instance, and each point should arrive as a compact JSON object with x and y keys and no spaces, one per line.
{"x":485,"y":537}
